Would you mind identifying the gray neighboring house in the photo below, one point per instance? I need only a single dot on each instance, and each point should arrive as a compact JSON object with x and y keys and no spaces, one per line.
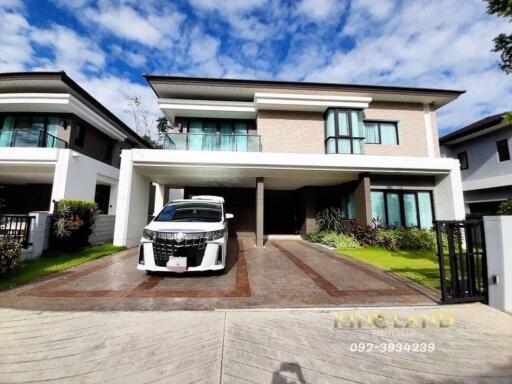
{"x":483,"y":149}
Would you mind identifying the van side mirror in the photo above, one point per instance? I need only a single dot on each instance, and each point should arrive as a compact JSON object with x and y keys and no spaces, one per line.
{"x":229,"y":216}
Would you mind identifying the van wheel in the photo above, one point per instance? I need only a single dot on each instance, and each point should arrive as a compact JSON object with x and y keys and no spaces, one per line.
{"x":150,"y":273}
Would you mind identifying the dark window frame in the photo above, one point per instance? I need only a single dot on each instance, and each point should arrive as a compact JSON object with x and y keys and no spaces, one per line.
{"x":337,"y":135}
{"x":463,"y":154}
{"x":379,"y":122}
{"x":401,"y":193}
{"x":185,"y":121}
{"x":503,"y":150}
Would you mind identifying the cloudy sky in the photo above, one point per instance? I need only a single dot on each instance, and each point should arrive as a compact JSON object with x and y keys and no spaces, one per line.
{"x":105,"y":45}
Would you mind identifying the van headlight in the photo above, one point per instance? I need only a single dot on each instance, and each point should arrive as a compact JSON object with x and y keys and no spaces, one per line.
{"x":148,"y":234}
{"x":214,"y":235}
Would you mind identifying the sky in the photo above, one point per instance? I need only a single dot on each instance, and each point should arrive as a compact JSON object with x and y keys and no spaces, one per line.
{"x":106,"y":46}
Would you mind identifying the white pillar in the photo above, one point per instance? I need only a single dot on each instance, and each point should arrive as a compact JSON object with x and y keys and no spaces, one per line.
{"x":132,"y":203}
{"x":161,"y":197}
{"x":448,"y":196}
{"x":38,"y":233}
{"x":498,"y":243}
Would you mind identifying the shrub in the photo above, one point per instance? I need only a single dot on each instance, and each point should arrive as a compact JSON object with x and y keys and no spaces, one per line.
{"x":330,"y":219}
{"x":336,"y":240}
{"x":364,"y":234}
{"x":505,"y":207}
{"x":315,"y":236}
{"x":332,"y":239}
{"x":406,"y":238}
{"x":73,"y":223}
{"x":10,"y":253}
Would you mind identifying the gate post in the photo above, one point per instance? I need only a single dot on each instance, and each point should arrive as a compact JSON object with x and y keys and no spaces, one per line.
{"x":498,"y":240}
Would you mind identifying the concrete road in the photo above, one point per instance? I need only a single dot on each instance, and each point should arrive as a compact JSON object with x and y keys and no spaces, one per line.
{"x":259,"y":346}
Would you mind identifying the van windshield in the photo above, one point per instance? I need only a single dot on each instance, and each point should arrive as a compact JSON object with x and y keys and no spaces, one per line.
{"x":191,"y":212}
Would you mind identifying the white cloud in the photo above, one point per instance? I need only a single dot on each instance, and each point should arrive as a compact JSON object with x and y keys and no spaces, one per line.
{"x":72,"y":52}
{"x":319,"y":10}
{"x":203,"y":47}
{"x":15,"y":47}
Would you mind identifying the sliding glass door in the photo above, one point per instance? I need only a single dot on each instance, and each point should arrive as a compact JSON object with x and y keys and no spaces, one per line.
{"x":403,"y":208}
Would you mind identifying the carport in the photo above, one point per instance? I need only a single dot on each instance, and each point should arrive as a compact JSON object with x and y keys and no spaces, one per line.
{"x":279,"y":186}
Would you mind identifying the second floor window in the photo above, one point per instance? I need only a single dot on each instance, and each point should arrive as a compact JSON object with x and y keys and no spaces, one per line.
{"x":344,"y":131}
{"x":463,"y":160}
{"x":503,"y":151}
{"x":381,"y":132}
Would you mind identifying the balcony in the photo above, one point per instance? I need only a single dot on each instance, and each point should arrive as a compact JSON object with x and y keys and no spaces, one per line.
{"x":212,"y":142}
{"x":29,"y":138}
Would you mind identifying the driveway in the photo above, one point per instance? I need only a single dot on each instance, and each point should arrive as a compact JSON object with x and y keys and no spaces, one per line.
{"x":283,"y":274}
{"x":263,"y":346}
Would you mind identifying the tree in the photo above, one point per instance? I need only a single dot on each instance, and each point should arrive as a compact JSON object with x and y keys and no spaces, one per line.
{"x":503,"y":42}
{"x":163,"y":126}
{"x":144,"y":124}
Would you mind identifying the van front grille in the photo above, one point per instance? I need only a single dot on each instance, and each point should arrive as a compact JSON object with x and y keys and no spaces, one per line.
{"x":179,"y":244}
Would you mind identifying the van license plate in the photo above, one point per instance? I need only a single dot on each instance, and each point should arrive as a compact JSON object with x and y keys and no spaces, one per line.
{"x":177,"y":264}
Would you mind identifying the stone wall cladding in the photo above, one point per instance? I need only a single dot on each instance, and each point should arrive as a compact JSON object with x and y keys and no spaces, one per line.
{"x":291,"y":132}
{"x":103,"y":231}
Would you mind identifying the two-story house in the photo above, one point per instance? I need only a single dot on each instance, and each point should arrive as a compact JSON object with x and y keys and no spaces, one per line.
{"x":57,"y":141}
{"x":483,"y":149}
{"x":279,"y":152}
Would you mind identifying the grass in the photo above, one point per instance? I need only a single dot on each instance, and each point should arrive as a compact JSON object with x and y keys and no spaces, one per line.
{"x":417,"y":265}
{"x":53,"y":262}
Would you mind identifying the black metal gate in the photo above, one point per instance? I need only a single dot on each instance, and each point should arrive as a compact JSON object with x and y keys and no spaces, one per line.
{"x":462,"y":261}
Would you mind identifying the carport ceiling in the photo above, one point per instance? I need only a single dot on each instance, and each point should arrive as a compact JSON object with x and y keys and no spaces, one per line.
{"x":282,"y":179}
{"x":26,"y":173}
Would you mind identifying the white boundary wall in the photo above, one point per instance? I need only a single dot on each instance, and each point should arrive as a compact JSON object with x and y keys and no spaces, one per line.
{"x":498,"y":242}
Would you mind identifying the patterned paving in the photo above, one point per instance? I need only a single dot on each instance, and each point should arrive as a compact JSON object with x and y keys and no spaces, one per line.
{"x":283,"y":274}
{"x":241,"y":346}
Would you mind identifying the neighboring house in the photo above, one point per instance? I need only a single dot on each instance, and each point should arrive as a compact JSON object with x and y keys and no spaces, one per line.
{"x":483,"y":149}
{"x":57,"y":141}
{"x":279,"y":152}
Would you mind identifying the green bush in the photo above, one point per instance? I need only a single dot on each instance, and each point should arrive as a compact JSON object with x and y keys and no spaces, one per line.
{"x":505,"y":207}
{"x":73,"y":221}
{"x":364,"y":234}
{"x":10,"y":253}
{"x":333,"y":239}
{"x":406,"y":238}
{"x":330,"y":219}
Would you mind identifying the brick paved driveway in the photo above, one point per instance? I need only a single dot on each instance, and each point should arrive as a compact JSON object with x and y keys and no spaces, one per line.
{"x":283,"y":274}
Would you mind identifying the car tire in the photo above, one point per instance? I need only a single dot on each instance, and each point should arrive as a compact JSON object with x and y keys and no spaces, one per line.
{"x":150,"y":273}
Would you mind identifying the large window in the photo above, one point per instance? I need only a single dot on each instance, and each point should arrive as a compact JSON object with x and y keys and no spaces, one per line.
{"x":403,"y":208}
{"x":344,"y":131}
{"x":503,"y":151}
{"x":204,"y":134}
{"x":381,"y":132}
{"x":29,"y":130}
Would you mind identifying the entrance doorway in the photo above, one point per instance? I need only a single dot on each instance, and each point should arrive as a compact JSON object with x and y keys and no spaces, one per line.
{"x":280,"y":213}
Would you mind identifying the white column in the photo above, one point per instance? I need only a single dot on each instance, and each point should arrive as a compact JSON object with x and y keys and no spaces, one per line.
{"x":448,"y":196}
{"x":132,"y":203}
{"x":161,"y":197}
{"x":38,"y":232}
{"x":498,"y":243}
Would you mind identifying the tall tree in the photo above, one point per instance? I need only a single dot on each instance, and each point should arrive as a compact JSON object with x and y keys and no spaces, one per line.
{"x":503,"y":42}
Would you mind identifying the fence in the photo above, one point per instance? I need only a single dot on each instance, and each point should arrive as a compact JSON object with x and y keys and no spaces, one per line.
{"x":16,"y":227}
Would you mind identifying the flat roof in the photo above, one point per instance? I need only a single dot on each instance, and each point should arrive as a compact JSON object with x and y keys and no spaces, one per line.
{"x":62,"y":76}
{"x":472,"y":129}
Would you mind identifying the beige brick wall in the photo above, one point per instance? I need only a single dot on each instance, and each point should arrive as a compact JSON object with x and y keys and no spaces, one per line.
{"x":291,"y":132}
{"x":411,"y":129}
{"x":303,"y":132}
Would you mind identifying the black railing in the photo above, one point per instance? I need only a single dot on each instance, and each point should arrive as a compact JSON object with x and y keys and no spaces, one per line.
{"x":30,"y":138}
{"x":212,"y":142}
{"x":16,"y":227}
{"x":462,"y":260}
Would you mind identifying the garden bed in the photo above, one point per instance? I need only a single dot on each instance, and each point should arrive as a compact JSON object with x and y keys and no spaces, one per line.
{"x":53,"y":262}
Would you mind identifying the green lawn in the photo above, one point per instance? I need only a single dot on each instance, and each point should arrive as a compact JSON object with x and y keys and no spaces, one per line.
{"x":418,"y":265}
{"x":52,"y":262}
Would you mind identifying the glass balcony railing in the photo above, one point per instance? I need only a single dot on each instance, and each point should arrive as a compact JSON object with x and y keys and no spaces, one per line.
{"x":29,"y":138}
{"x":212,"y":142}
